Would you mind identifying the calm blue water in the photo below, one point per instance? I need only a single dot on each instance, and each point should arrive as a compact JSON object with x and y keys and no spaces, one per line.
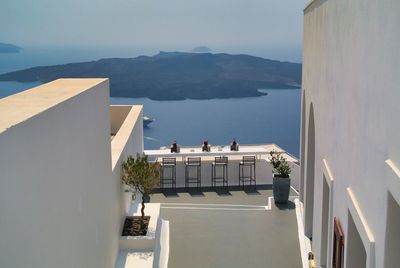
{"x":274,"y":118}
{"x":8,"y":88}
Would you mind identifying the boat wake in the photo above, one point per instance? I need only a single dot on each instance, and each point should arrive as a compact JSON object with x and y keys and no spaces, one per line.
{"x":151,"y":139}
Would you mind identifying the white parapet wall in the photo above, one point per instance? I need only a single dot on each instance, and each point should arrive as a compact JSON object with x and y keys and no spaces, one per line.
{"x":59,"y":204}
{"x":263,"y":174}
{"x":127,"y":124}
{"x":161,"y":252}
{"x":127,"y":129}
{"x":118,"y":115}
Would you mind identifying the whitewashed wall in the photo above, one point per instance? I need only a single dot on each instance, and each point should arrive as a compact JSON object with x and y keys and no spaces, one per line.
{"x":59,"y":206}
{"x":128,"y":141}
{"x":161,"y":252}
{"x":351,"y":76}
{"x":118,"y":115}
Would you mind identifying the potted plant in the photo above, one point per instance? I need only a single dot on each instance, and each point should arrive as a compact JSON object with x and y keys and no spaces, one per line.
{"x":281,"y":181}
{"x":142,"y":177}
{"x":206,"y":147}
{"x":234,"y":145}
{"x":175,"y":148}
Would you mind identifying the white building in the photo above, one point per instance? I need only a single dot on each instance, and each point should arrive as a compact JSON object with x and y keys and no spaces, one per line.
{"x":60,"y":190}
{"x":350,"y":147}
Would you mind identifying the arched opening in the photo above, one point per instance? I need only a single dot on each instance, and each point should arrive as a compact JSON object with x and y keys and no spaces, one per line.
{"x":302,"y":144}
{"x":309,"y":178}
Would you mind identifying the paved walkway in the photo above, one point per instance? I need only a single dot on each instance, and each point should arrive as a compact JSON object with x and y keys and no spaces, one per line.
{"x":235,"y":230}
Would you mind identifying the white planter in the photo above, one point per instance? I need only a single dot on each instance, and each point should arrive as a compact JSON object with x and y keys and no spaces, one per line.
{"x":147,"y":242}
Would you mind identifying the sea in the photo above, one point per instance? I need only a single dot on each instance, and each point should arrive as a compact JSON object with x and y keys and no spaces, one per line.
{"x":273,"y":118}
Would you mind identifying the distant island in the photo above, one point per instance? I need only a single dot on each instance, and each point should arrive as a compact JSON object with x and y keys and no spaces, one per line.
{"x":201,"y":49}
{"x":176,"y":75}
{"x":9,"y":48}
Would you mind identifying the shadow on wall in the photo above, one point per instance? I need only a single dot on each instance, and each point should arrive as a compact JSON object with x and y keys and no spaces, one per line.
{"x":309,"y":179}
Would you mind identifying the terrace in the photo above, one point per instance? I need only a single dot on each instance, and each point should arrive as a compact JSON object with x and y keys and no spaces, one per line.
{"x":212,"y":227}
{"x":239,"y":229}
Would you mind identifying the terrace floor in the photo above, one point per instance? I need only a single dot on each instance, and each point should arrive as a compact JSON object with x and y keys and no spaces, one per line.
{"x":239,"y":229}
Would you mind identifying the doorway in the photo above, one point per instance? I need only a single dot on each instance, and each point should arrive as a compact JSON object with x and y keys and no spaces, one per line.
{"x":338,"y":244}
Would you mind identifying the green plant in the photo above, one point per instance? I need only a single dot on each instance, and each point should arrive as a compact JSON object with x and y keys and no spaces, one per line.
{"x":141,"y":176}
{"x":279,"y":164}
{"x":284,"y":169}
{"x":276,"y":159}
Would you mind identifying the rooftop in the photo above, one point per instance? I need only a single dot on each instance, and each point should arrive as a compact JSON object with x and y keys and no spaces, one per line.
{"x":24,"y":105}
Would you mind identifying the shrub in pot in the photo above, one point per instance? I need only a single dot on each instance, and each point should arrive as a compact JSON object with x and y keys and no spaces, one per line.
{"x":281,"y":180}
{"x":234,"y":145}
{"x":206,"y":147}
{"x":141,"y":176}
{"x":175,"y":148}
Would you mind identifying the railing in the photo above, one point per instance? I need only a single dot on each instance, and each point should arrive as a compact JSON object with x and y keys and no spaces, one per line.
{"x":263,"y":167}
{"x":215,"y":151}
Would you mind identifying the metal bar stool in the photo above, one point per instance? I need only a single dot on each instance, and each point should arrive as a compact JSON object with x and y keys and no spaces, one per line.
{"x":220,"y":162}
{"x":193,"y":163}
{"x":168,"y":163}
{"x":248,"y":162}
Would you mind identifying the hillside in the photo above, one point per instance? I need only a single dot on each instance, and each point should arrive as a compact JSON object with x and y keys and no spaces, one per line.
{"x":176,"y":75}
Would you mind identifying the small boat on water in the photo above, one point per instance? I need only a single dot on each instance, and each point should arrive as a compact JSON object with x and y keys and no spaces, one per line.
{"x":147,"y":120}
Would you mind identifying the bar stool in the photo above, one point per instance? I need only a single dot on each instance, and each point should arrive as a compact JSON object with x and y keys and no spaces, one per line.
{"x":193,"y":163}
{"x":220,"y":163}
{"x":248,"y":162}
{"x":168,"y":163}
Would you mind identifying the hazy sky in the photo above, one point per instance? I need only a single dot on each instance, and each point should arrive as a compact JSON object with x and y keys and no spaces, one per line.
{"x":240,"y":26}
